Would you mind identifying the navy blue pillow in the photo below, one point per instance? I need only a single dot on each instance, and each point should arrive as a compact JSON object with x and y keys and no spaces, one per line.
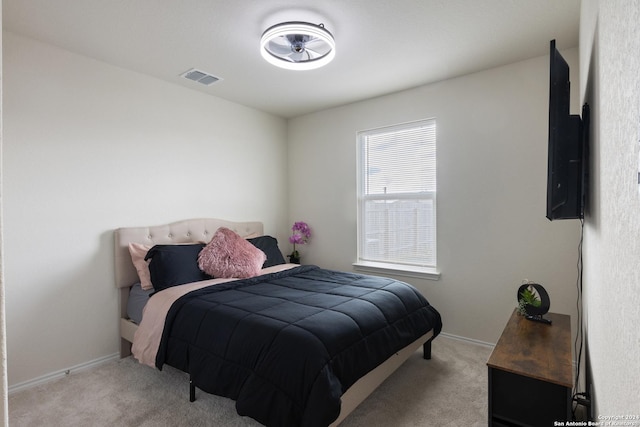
{"x":268,"y":245}
{"x":173,"y":265}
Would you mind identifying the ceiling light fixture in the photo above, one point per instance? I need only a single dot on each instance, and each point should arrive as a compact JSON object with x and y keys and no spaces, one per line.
{"x":298,"y":45}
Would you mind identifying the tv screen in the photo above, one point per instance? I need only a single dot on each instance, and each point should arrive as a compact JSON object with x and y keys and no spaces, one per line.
{"x":566,"y":163}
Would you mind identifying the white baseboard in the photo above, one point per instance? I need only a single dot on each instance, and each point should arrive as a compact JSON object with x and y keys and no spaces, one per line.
{"x":61,"y":373}
{"x":465,"y":339}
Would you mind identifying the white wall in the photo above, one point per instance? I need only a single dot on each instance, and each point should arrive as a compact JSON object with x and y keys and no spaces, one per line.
{"x":610,"y":59}
{"x":4,"y":410}
{"x":492,"y":163}
{"x":89,"y":147}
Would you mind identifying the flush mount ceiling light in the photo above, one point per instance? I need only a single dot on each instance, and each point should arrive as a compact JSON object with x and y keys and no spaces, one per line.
{"x":297,"y":45}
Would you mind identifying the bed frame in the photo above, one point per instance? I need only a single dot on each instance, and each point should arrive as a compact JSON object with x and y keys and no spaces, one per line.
{"x":201,"y":230}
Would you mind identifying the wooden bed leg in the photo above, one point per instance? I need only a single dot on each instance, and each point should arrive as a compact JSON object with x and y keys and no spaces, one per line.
{"x":192,"y":390}
{"x":426,"y":350}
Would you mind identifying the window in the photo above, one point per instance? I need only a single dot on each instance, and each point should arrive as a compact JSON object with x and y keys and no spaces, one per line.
{"x":397,"y":198}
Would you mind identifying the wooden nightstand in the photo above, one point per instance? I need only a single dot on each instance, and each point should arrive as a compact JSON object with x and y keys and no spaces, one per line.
{"x":530,"y":373}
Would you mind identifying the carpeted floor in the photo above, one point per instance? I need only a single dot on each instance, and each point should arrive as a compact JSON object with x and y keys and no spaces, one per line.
{"x":448,"y":390}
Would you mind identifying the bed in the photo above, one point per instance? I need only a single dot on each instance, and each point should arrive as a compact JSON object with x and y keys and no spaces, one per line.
{"x":361,"y":366}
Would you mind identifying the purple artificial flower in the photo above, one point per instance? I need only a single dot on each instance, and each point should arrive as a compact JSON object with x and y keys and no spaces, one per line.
{"x":300,"y":236}
{"x":301,"y":233}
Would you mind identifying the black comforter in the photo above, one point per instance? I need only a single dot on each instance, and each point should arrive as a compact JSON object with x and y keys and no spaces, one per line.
{"x":286,"y":345}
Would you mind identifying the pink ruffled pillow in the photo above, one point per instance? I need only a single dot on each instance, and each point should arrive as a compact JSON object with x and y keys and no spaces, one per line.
{"x":229,"y":255}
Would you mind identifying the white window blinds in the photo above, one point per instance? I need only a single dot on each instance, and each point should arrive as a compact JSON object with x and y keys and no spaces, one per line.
{"x":397,"y":194}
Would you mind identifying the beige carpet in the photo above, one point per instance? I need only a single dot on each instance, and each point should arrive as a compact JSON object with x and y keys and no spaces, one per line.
{"x":448,"y":390}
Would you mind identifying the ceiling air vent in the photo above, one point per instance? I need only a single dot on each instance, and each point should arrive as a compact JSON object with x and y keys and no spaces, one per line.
{"x":200,"y":77}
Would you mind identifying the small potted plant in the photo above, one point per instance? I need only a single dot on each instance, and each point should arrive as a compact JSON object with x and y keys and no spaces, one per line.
{"x":300,"y":236}
{"x":533,"y":302}
{"x":528,"y":300}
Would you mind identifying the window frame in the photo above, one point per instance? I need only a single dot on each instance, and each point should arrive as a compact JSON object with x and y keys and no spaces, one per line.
{"x":430,"y":272}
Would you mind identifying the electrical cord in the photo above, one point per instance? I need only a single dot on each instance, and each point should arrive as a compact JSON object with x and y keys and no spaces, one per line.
{"x":579,"y":398}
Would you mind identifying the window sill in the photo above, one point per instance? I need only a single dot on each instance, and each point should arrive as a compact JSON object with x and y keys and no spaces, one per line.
{"x":428,"y":273}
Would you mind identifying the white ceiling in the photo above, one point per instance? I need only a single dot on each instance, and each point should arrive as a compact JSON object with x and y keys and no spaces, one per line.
{"x":383,"y":46}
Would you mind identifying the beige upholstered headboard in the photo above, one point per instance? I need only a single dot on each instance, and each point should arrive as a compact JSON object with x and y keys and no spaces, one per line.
{"x":186,"y":231}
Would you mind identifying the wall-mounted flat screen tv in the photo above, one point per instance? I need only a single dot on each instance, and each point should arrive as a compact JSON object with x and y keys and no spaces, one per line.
{"x":567,"y":155}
